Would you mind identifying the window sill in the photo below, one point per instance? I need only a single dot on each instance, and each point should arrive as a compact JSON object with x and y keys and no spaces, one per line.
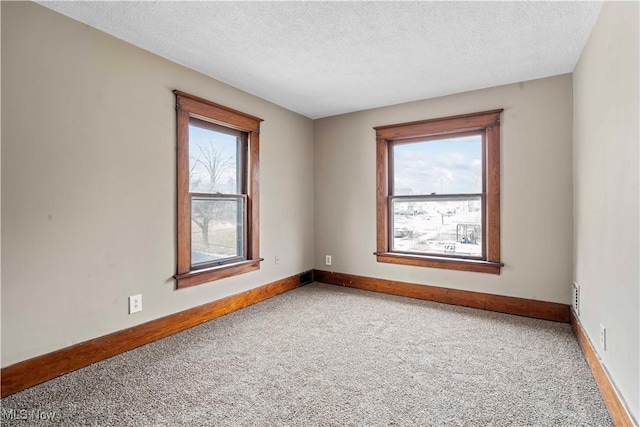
{"x":197,"y":277}
{"x":478,"y":266}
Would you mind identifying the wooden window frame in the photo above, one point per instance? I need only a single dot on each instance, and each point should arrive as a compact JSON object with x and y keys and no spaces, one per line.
{"x":487,"y":122}
{"x":188,"y":106}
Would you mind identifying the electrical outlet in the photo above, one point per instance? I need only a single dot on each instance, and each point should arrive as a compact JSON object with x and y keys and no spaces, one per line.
{"x":603,"y":337}
{"x":576,"y":298}
{"x":277,"y":260}
{"x":327,"y":259}
{"x":135,"y":304}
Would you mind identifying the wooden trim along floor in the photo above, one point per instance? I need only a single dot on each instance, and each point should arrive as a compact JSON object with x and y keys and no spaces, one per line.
{"x":618,"y":411}
{"x":42,"y":368}
{"x":503,"y":304}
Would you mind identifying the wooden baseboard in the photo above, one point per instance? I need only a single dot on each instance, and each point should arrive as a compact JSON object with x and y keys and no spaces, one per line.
{"x":39,"y":369}
{"x":618,"y":411}
{"x":503,"y":304}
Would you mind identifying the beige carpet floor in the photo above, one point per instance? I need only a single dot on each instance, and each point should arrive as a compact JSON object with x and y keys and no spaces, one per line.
{"x":324,"y":355}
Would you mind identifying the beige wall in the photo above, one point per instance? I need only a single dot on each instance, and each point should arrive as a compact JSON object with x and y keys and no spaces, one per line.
{"x":536,"y":190}
{"x":88,"y":184}
{"x":606,"y":192}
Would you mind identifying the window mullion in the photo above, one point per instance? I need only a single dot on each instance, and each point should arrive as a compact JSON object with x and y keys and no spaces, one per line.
{"x":444,"y":197}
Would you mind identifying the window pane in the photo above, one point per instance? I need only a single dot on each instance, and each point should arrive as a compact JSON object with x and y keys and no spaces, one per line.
{"x":217,"y":229}
{"x":447,"y":227}
{"x":213,"y":159}
{"x":443,"y":166}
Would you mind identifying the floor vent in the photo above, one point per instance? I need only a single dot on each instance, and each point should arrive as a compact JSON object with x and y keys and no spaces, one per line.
{"x":575,"y":300}
{"x":306,"y":278}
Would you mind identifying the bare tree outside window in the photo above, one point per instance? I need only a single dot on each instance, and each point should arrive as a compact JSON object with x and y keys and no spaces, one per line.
{"x":217,"y":208}
{"x":215,"y":163}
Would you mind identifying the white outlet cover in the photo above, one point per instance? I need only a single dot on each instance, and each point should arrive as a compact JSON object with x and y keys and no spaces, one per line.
{"x":135,"y":303}
{"x":327,"y":260}
{"x":603,"y":337}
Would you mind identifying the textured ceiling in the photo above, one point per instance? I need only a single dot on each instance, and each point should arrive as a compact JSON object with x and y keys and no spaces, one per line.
{"x":325,"y":58}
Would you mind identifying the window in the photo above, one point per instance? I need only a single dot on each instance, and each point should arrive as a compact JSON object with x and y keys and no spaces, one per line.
{"x":438,"y":193}
{"x":218,"y":223}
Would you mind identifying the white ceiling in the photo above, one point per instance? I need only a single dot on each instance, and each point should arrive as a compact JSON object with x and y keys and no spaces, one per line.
{"x":326,"y":58}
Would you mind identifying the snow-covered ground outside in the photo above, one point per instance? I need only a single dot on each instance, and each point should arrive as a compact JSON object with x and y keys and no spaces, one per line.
{"x":444,"y":227}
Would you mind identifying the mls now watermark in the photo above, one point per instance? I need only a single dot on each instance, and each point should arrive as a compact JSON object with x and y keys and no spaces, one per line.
{"x":27,"y":415}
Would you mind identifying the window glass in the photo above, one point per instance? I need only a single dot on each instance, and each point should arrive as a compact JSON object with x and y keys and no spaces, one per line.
{"x":217,"y":231}
{"x":213,"y":160}
{"x":444,"y":227}
{"x":443,"y":166}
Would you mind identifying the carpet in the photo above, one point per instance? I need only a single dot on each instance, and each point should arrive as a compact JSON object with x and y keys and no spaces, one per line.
{"x":323,"y":355}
